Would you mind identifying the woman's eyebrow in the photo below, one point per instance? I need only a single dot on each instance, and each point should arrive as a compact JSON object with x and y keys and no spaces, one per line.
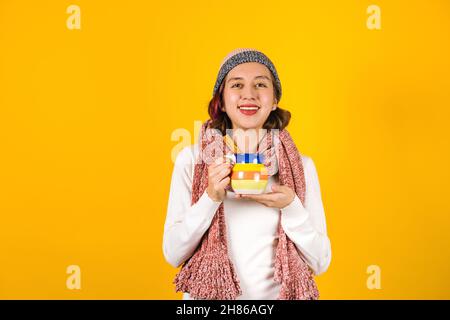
{"x":257,"y":77}
{"x":263,"y":77}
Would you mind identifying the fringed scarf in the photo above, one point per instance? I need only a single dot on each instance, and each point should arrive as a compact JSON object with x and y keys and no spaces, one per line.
{"x":209,"y":272}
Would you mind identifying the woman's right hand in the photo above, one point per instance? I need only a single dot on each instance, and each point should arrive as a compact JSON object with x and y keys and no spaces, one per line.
{"x":218,"y":179}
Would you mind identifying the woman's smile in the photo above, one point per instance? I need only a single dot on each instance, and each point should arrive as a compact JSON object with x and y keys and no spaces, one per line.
{"x":248,"y":109}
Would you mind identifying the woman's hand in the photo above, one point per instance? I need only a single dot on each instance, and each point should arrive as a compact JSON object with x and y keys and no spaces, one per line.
{"x":281,"y":197}
{"x":218,"y":179}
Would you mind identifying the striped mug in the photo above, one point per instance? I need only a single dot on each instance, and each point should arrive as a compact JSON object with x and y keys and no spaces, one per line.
{"x":249,"y":174}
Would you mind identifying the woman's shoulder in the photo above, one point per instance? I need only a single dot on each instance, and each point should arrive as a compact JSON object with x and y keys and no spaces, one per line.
{"x":309,"y":168}
{"x":185,"y":162}
{"x":305,"y":159}
{"x":308,"y":164}
{"x":187,"y":155}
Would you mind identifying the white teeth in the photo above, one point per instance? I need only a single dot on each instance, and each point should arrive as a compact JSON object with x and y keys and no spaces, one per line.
{"x":249,"y":108}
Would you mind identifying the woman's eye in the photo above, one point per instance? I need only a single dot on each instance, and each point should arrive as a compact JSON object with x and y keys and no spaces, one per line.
{"x":239,"y":85}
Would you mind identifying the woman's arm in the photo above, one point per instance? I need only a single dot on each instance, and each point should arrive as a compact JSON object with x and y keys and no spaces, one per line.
{"x":185,"y":224}
{"x":306,"y":225}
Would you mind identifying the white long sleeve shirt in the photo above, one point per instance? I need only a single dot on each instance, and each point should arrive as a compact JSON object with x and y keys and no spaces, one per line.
{"x":251,"y":228}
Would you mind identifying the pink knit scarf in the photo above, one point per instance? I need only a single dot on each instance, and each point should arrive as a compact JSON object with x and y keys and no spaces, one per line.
{"x":209,"y":272}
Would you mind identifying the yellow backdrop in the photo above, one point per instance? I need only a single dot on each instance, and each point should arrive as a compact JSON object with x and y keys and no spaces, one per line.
{"x":90,"y":96}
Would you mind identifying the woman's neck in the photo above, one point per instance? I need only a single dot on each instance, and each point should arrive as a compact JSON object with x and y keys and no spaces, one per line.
{"x":247,"y":140}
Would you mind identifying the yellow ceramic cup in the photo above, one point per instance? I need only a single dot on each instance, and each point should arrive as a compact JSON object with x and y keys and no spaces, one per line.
{"x":249,"y":178}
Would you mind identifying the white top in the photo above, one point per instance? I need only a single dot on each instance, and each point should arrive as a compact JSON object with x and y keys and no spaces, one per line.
{"x":251,"y":228}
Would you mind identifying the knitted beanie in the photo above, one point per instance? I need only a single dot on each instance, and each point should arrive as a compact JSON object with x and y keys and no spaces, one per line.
{"x":243,"y":55}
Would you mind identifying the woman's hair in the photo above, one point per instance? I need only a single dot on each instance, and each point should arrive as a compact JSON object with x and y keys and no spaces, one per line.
{"x":278,"y":118}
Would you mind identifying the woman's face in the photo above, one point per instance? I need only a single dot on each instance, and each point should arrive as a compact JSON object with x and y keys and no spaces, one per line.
{"x":248,"y":95}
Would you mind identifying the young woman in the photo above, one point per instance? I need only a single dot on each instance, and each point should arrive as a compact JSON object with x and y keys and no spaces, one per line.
{"x":241,"y":246}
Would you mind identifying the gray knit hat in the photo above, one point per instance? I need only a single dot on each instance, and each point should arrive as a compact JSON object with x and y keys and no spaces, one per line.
{"x":243,"y":55}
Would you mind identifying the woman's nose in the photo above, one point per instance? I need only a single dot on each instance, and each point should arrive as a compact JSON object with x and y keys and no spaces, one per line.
{"x":248,"y":92}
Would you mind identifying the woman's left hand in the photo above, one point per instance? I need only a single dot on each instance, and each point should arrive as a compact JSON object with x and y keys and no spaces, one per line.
{"x":281,"y":197}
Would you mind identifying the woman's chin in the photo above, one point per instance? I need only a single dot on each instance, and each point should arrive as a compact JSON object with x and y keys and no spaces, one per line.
{"x":249,"y":124}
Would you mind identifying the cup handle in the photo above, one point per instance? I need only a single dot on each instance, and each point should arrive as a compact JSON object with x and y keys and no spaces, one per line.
{"x":230,"y":158}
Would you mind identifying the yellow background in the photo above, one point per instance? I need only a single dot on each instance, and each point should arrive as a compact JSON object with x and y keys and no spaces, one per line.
{"x":86,"y":118}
